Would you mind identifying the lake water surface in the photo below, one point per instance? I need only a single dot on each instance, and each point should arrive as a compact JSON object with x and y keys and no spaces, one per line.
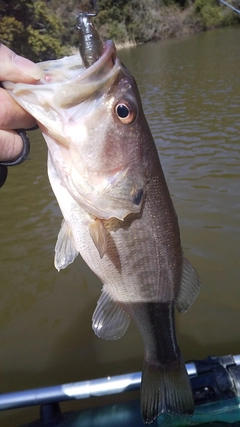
{"x":190,"y":90}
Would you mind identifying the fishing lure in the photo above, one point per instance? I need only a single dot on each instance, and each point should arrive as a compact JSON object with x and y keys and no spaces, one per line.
{"x":90,"y":44}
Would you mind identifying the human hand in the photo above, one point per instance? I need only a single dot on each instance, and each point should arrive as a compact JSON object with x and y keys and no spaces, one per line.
{"x":16,"y":69}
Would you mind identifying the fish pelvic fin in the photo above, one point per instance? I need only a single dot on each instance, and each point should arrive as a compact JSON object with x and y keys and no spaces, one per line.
{"x":165,"y":388}
{"x":65,"y":250}
{"x":110,"y":321}
{"x":190,"y":287}
{"x":99,"y":235}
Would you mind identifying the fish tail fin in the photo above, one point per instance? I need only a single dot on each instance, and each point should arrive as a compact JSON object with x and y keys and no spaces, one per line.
{"x":165,"y":389}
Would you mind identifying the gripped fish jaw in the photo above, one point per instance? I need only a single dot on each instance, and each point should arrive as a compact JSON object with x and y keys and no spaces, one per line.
{"x":68,"y":81}
{"x":67,"y":102}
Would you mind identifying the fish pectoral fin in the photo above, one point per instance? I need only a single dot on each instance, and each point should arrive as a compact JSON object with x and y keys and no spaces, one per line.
{"x":99,"y":235}
{"x":165,"y":388}
{"x":65,"y":250}
{"x":190,"y":287}
{"x":109,"y":321}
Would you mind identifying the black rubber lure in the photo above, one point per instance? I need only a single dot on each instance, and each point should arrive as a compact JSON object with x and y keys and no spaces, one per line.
{"x":90,"y":44}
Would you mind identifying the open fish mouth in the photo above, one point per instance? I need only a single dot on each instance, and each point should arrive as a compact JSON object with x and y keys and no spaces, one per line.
{"x":89,"y":80}
{"x":73,"y":73}
{"x":68,"y":80}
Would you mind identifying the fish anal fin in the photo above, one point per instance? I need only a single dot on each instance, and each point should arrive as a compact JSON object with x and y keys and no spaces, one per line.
{"x":190,"y":287}
{"x":99,"y":235}
{"x":65,"y":250}
{"x":165,"y":389}
{"x":109,"y":321}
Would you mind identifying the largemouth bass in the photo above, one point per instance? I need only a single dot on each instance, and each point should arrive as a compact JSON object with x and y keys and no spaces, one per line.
{"x":104,"y":169}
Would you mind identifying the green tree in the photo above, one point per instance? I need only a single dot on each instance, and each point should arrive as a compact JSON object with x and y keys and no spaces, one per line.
{"x":213,"y":14}
{"x":31,"y":29}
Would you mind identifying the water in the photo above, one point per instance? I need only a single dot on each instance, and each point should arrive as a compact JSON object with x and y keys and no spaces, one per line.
{"x":191,"y":95}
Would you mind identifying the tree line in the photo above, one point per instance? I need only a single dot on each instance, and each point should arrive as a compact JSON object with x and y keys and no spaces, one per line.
{"x":46,"y":29}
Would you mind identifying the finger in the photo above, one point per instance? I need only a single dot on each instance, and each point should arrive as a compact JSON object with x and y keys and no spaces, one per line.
{"x":15,"y":68}
{"x":17,"y":118}
{"x":11,"y":145}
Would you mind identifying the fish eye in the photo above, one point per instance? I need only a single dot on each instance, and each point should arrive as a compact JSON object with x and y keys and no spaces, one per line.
{"x":125,"y":113}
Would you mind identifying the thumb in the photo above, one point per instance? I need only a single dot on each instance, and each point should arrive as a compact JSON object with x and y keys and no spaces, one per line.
{"x":15,"y":68}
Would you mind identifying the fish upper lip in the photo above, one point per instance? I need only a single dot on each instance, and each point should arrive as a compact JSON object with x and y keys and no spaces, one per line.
{"x":109,"y":52}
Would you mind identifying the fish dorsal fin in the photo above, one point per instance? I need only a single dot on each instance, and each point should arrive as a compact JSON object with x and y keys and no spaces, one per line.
{"x":109,"y":321}
{"x":99,"y":236}
{"x":190,"y":287}
{"x":65,"y":250}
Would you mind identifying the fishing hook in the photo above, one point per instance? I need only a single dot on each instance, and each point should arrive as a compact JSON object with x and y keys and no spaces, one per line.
{"x":91,"y":14}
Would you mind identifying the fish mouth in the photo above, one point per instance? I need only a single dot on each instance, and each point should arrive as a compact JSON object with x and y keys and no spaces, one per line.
{"x":85,"y":82}
{"x":68,"y":81}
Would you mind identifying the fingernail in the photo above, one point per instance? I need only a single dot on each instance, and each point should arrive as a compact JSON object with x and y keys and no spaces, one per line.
{"x":27,"y":67}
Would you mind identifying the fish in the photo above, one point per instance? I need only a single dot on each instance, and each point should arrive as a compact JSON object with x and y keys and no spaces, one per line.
{"x":105,"y":171}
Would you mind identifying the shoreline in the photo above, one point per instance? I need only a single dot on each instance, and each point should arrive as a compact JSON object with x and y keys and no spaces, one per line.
{"x":172,"y":22}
